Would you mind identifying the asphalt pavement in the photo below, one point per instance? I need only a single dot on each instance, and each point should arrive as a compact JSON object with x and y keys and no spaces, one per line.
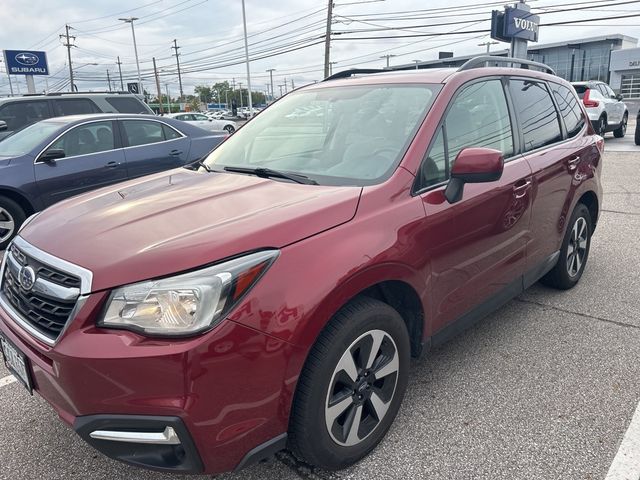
{"x":544,"y":388}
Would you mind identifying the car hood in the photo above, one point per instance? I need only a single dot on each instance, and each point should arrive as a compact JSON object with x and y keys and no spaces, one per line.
{"x":182,"y":219}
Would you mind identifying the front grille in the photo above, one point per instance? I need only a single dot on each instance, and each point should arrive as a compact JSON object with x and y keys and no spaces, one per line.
{"x":40,"y":306}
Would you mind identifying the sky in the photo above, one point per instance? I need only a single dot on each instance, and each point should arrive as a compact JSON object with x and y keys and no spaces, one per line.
{"x":210,"y":34}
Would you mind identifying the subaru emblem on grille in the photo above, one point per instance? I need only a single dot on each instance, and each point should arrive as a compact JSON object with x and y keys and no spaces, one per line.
{"x":27,"y":278}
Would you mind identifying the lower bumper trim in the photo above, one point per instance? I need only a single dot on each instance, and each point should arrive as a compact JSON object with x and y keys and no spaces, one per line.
{"x":153,"y":442}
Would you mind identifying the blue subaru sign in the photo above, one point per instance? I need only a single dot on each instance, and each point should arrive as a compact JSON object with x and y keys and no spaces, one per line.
{"x":26,"y":62}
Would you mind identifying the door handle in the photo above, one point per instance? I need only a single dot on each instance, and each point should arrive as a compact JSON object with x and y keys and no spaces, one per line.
{"x":175,"y":153}
{"x":111,"y":164}
{"x":520,"y":190}
{"x":572,"y":163}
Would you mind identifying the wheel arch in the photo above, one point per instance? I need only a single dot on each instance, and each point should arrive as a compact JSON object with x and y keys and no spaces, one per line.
{"x":590,"y":200}
{"x":19,"y":198}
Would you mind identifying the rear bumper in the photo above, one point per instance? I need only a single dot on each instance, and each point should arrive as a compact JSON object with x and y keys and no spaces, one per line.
{"x":224,"y":393}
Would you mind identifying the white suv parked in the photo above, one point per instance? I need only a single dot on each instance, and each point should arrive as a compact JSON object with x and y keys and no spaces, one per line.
{"x":607,"y":111}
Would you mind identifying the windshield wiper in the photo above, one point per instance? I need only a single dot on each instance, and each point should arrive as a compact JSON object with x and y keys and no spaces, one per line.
{"x":200,"y":163}
{"x":268,"y":172}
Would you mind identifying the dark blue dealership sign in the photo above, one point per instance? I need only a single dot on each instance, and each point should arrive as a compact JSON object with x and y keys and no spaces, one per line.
{"x":26,"y":62}
{"x":514,"y":23}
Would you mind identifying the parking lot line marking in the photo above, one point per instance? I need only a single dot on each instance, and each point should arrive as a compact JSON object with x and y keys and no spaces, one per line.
{"x":626,"y":464}
{"x":7,"y":380}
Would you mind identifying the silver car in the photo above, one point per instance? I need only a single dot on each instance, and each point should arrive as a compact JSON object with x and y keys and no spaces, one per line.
{"x":607,"y":111}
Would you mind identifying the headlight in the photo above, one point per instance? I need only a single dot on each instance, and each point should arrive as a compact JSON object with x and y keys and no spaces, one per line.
{"x":185,"y":304}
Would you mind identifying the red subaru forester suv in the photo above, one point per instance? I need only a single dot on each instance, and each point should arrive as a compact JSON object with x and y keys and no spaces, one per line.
{"x":270,"y":295}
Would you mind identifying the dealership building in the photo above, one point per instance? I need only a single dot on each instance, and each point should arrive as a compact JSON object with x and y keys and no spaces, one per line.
{"x":614,"y":59}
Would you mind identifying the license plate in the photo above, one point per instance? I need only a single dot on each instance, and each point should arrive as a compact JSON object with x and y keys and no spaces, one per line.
{"x":16,"y":362}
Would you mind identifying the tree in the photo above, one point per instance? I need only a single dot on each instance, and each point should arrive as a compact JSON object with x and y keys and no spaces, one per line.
{"x":221,"y":92}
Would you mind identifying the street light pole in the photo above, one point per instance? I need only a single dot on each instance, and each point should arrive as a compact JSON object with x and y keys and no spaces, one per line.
{"x":331,"y":64}
{"x":246,"y":54}
{"x":135,"y":49}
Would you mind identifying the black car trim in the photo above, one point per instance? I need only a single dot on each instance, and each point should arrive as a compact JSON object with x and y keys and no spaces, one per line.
{"x":183,"y":457}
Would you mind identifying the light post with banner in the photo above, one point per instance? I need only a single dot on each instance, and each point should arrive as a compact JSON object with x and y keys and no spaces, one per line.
{"x":516,"y":25}
{"x":27,"y":63}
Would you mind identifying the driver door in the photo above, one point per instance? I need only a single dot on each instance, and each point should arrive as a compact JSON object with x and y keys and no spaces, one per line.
{"x":92,"y":158}
{"x":477,"y":246}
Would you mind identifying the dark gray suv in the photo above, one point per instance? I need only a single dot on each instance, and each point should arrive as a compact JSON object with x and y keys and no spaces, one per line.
{"x":18,"y":112}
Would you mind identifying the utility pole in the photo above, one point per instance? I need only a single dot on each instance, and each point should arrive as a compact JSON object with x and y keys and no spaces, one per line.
{"x":327,"y":39}
{"x":293,"y":87}
{"x":135,"y":49}
{"x":120,"y":70}
{"x":285,"y":86}
{"x":168,"y":98}
{"x":246,"y":54}
{"x":68,"y":39}
{"x":388,"y":56}
{"x":331,"y":64}
{"x":240,"y":88}
{"x":271,"y":70}
{"x":280,"y":89}
{"x":176,"y":47}
{"x":488,"y":45}
{"x":108,"y":80}
{"x":155,"y":73}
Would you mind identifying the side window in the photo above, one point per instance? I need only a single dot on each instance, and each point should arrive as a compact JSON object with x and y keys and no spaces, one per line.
{"x":569,"y":109}
{"x":170,"y":133}
{"x":610,"y":93}
{"x":73,"y":106}
{"x":21,"y":114}
{"x":200,"y":117}
{"x":537,"y":113}
{"x":142,"y":132}
{"x":86,"y":139}
{"x":127,"y":105}
{"x":477,"y":117}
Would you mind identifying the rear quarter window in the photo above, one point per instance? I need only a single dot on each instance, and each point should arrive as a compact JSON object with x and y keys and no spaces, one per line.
{"x":569,"y":109}
{"x":127,"y":105}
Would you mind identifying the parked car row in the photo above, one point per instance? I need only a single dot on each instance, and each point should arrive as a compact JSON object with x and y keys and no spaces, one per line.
{"x":205,"y":121}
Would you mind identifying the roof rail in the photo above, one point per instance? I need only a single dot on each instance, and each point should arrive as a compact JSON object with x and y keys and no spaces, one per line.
{"x":483,"y":60}
{"x":58,"y":94}
{"x":354,"y":71}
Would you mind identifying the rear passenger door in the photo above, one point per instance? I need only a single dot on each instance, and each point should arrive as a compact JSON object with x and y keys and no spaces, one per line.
{"x":153,"y":146}
{"x":552,"y":126}
{"x":93,"y":158}
{"x":477,"y":247}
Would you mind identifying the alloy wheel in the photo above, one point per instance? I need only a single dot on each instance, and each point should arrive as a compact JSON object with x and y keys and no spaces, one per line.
{"x":7,"y":225}
{"x":577,"y":247}
{"x":362,"y":388}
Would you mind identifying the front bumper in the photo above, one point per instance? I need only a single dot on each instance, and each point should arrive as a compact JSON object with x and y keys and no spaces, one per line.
{"x":223,"y":392}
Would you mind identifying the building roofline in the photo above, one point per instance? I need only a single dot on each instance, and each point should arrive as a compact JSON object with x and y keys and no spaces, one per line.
{"x":503,"y":52}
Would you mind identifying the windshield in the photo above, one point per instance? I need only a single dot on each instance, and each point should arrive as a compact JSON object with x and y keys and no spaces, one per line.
{"x":353,"y":135}
{"x":25,"y":140}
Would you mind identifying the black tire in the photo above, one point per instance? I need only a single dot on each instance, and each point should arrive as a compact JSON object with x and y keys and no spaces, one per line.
{"x":637,"y":139}
{"x":229,"y":129}
{"x":560,"y":276}
{"x":601,"y":126}
{"x":309,"y":436}
{"x":10,"y":211}
{"x":622,"y":129}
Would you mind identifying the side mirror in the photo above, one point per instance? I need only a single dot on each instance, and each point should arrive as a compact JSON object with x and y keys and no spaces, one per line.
{"x":619,"y":97}
{"x":51,"y":155}
{"x":3,"y":125}
{"x":473,"y":165}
